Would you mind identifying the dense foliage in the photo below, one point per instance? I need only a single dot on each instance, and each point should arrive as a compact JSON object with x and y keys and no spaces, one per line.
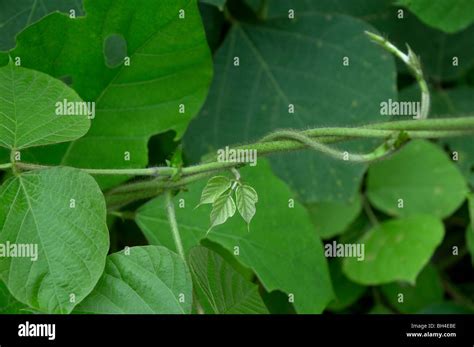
{"x":114,"y":115}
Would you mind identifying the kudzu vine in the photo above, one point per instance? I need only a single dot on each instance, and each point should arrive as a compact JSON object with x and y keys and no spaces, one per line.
{"x":229,"y":195}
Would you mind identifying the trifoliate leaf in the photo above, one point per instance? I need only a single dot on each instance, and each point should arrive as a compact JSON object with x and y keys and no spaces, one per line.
{"x":214,"y":188}
{"x":258,"y":89}
{"x":290,"y":262}
{"x":246,"y":198}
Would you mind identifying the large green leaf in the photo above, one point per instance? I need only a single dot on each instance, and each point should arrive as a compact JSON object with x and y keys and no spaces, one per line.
{"x":28,"y":110}
{"x":61,"y":211}
{"x":396,"y":250}
{"x":436,"y":48}
{"x":170,"y":65}
{"x":418,"y":179}
{"x":305,"y":69}
{"x":220,"y":289}
{"x":281,"y":247}
{"x":17,"y":15}
{"x":447,"y":15}
{"x":145,"y":280}
{"x":409,"y":298}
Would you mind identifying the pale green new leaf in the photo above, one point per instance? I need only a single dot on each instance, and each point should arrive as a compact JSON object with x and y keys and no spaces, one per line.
{"x":141,"y":280}
{"x":214,"y":188}
{"x":62,"y":211}
{"x":419,"y":179}
{"x":221,"y":289}
{"x":283,"y":249}
{"x":222,"y":209}
{"x":396,"y":250}
{"x":28,"y":109}
{"x":304,"y":73}
{"x":246,"y":198}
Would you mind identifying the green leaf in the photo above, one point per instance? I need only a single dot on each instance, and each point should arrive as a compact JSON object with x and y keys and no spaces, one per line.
{"x":283,"y":250}
{"x":141,"y":280}
{"x":170,"y":65}
{"x":418,"y":179}
{"x":447,"y":15}
{"x":333,"y":218}
{"x":457,"y":102}
{"x":409,"y":298}
{"x":222,"y":209}
{"x":346,"y":291}
{"x":254,"y":98}
{"x":214,"y":188}
{"x":8,"y":304}
{"x":17,"y":15}
{"x":246,"y":198}
{"x":435,"y":48}
{"x":28,"y":110}
{"x":396,"y":250}
{"x":61,"y":211}
{"x":220,"y":289}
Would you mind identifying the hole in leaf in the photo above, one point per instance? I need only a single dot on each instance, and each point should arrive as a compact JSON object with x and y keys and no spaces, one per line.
{"x":115,"y":50}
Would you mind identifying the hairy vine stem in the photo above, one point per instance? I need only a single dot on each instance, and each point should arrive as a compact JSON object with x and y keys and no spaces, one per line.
{"x":414,"y":65}
{"x":165,"y":178}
